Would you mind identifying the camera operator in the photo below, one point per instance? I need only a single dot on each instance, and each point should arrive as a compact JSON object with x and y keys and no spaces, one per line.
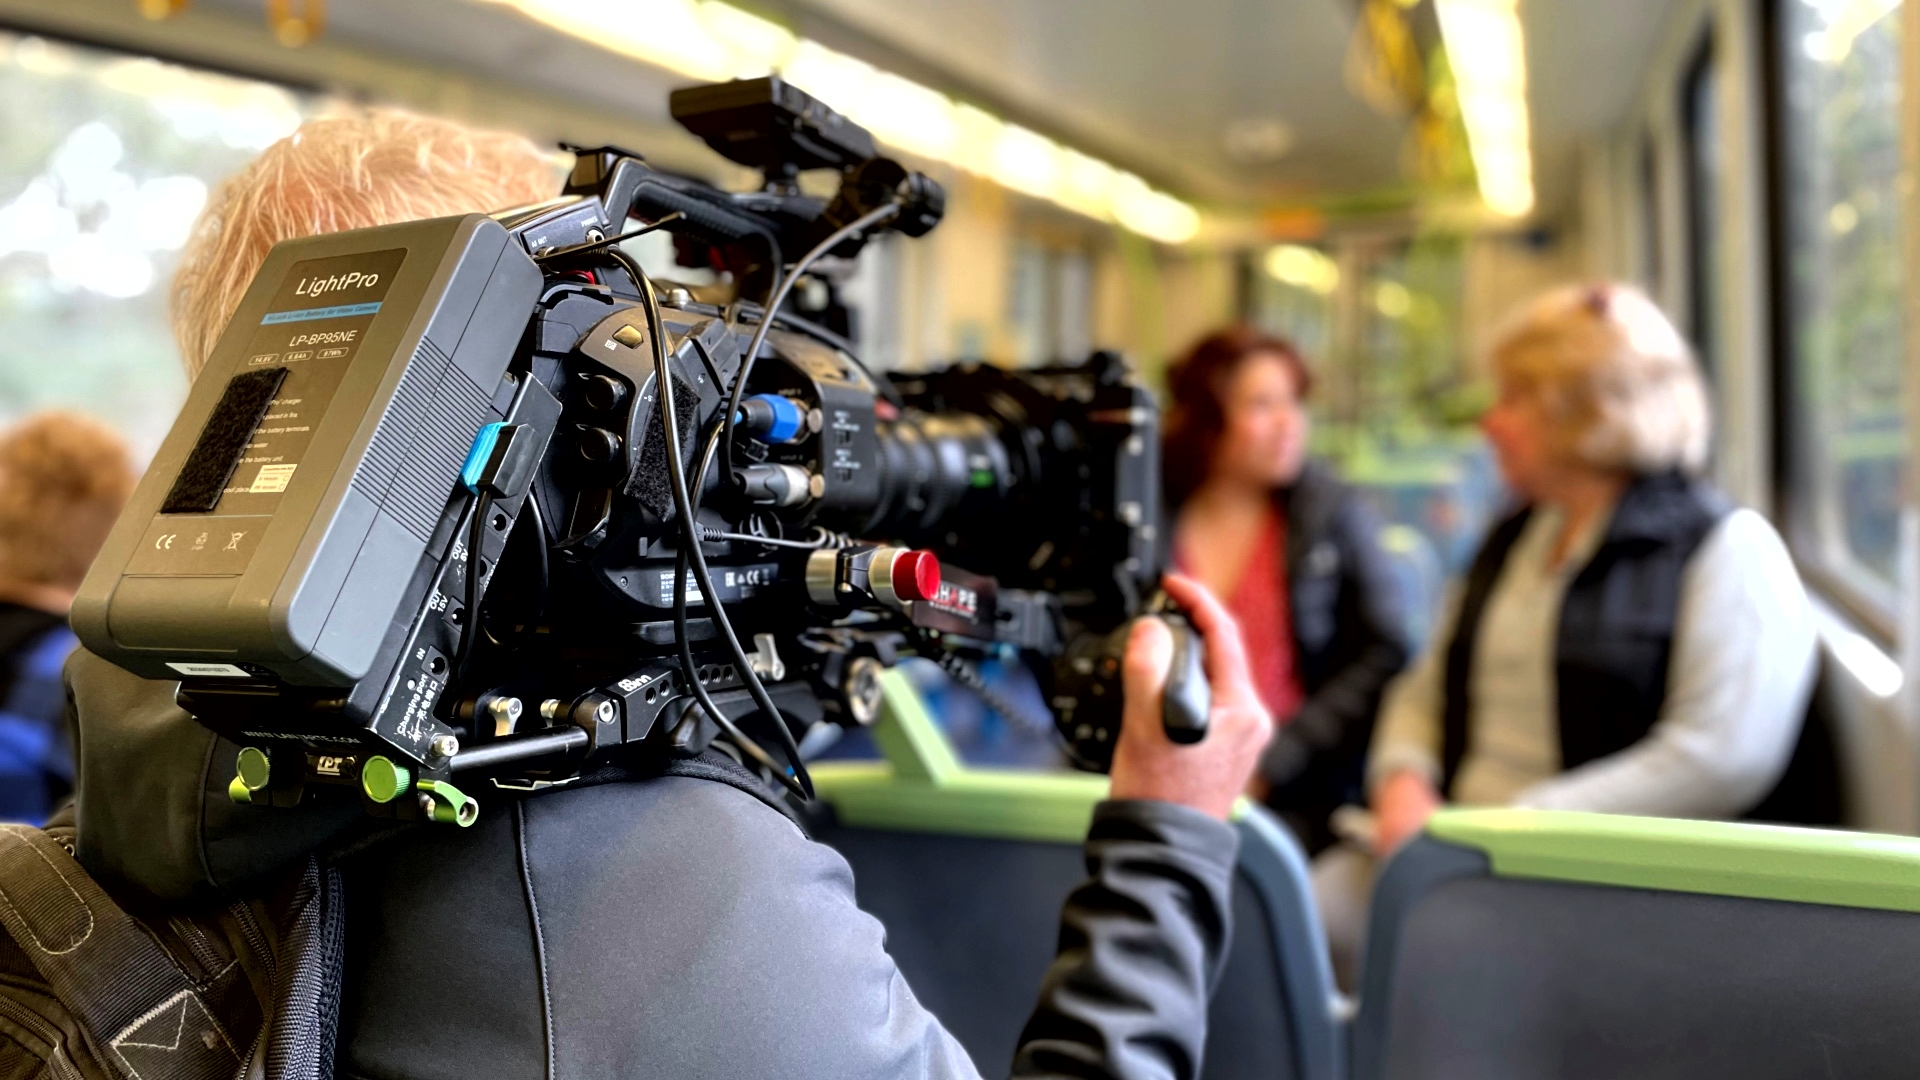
{"x":632,"y":923}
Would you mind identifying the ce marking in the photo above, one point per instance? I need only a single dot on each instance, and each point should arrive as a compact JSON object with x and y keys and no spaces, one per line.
{"x":165,"y":543}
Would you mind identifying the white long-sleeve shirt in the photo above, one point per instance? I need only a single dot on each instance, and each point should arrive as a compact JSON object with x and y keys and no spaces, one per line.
{"x":1742,"y":666}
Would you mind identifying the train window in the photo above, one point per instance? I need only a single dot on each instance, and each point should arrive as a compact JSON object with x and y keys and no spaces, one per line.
{"x":876,"y":294}
{"x":1653,"y":220}
{"x":1293,"y":296}
{"x":1027,"y":304}
{"x":1379,"y":318}
{"x":105,"y":160}
{"x":1049,"y":304}
{"x":1700,"y":115}
{"x":1413,"y":444}
{"x":1840,"y":164}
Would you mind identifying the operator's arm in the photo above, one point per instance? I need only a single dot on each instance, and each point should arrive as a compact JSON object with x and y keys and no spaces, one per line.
{"x":746,"y":916}
{"x":1142,"y":943}
{"x":1737,"y":686}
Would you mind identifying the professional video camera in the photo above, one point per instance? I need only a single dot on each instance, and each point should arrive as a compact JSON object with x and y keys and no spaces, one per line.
{"x":467,"y":500}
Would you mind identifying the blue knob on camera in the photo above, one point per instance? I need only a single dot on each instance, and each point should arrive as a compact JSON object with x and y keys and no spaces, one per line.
{"x":772,"y":418}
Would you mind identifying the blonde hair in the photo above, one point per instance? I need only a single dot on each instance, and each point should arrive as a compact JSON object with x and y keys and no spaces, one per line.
{"x":63,"y":479}
{"x":375,"y":167}
{"x":1614,"y":375}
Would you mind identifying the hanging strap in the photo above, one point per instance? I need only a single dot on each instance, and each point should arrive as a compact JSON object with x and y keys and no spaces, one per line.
{"x":306,"y":1009}
{"x":116,"y":980}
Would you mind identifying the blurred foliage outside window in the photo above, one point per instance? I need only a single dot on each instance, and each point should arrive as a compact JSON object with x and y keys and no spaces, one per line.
{"x":1394,"y":401}
{"x":1394,"y":405}
{"x":1841,"y":83}
{"x":105,"y":161}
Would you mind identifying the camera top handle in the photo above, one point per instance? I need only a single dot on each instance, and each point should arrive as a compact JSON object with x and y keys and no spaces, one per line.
{"x":781,"y":130}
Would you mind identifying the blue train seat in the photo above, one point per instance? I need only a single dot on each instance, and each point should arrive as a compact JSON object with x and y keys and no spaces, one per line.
{"x":967,"y":869}
{"x":1510,"y":943}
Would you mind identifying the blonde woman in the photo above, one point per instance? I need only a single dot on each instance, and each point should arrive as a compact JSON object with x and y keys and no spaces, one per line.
{"x":1628,"y":641}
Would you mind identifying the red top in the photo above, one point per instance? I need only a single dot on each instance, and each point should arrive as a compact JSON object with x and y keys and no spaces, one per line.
{"x":1260,"y":604}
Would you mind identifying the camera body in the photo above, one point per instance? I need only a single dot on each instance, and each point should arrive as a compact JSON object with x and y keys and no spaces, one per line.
{"x":417,"y":527}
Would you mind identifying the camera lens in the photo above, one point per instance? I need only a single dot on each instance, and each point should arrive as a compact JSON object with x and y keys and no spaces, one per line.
{"x":936,"y":469}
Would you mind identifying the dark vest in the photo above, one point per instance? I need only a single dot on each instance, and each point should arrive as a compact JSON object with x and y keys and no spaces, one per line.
{"x":1616,"y":622}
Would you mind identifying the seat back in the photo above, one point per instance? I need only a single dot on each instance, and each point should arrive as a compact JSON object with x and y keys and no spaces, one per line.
{"x":968,"y":870}
{"x":1518,"y":943}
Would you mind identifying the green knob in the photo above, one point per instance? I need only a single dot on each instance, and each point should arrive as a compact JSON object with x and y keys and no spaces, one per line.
{"x":382,"y":780}
{"x":447,"y":804}
{"x":255,"y":771}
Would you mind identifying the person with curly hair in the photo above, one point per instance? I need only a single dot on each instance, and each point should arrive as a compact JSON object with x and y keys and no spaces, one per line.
{"x":63,"y":479}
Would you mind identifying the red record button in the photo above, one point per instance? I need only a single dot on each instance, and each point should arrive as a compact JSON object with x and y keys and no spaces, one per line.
{"x":916,"y":575}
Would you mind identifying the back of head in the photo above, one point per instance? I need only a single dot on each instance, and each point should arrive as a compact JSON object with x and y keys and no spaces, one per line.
{"x":63,"y":479}
{"x":1615,"y":376}
{"x":377,"y":167}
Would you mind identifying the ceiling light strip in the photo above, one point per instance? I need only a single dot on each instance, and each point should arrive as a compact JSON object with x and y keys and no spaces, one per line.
{"x":711,"y":40}
{"x":1488,"y":56}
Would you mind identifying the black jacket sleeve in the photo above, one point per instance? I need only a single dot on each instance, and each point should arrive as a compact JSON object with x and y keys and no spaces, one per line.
{"x":1142,"y":945}
{"x":1337,"y":717}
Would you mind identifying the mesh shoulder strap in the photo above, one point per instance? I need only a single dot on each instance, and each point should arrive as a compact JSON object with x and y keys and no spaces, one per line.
{"x":143,"y":1012}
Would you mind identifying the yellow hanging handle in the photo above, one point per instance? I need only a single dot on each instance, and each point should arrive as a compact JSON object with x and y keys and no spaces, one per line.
{"x":295,"y":22}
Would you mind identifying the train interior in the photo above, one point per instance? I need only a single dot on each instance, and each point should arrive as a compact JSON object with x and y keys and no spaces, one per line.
{"x":1380,"y":181}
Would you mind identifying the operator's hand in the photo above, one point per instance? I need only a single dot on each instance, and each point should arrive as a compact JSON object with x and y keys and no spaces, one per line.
{"x":1402,"y":803}
{"x":1209,"y":774}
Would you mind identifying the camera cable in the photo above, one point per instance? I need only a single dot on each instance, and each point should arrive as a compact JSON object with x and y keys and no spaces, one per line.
{"x":724,"y":434}
{"x":692,"y":556}
{"x":691,"y":545}
{"x":681,"y":638}
{"x":684,"y":641}
{"x":966,"y":674}
{"x":470,"y":613}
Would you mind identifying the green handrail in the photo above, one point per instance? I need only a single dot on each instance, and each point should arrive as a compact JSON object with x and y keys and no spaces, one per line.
{"x":1766,"y":862}
{"x":922,"y":786}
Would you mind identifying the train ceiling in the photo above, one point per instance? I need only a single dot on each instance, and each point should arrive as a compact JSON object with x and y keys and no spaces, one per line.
{"x":1230,"y":103}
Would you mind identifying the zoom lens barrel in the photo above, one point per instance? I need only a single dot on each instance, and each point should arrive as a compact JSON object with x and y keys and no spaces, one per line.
{"x":937,"y":470}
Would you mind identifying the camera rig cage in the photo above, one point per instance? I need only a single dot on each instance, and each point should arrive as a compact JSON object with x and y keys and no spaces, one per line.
{"x":468,"y":501}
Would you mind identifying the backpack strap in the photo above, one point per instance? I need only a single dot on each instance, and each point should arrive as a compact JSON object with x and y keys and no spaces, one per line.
{"x":303,"y":1028}
{"x":139,"y":1007}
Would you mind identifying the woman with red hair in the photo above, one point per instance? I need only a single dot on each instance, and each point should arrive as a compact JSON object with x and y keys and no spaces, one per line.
{"x":1295,"y":554}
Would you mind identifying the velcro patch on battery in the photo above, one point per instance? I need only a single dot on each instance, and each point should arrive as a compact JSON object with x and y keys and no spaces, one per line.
{"x":223,"y":441}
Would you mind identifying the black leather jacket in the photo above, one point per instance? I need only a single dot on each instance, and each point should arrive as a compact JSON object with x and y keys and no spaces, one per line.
{"x":1349,"y":618}
{"x":672,"y":926}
